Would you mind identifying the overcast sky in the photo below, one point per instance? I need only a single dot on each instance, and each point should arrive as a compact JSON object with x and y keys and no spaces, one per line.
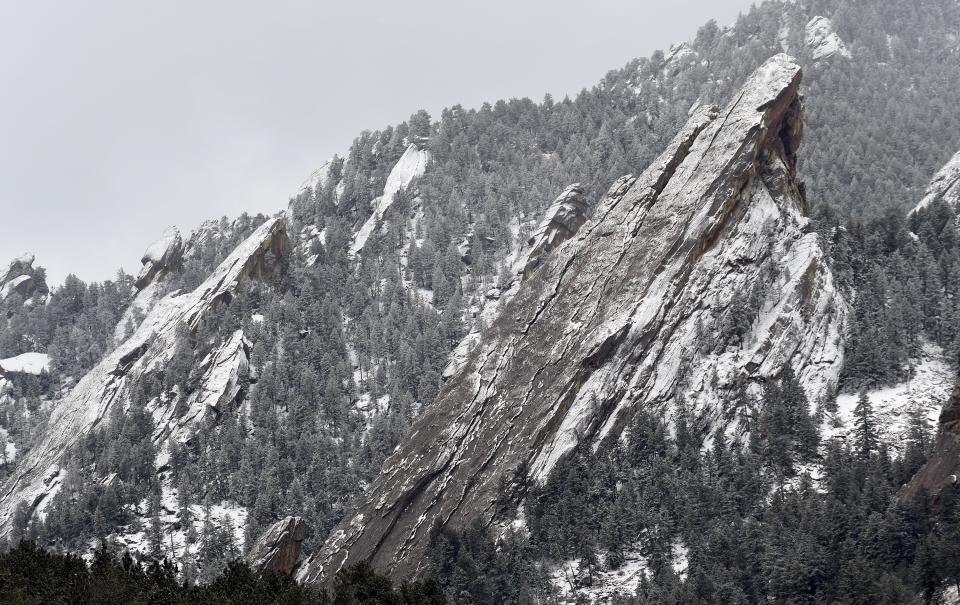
{"x":120,"y":118}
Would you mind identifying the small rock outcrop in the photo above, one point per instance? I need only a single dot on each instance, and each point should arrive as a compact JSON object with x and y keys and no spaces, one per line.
{"x":823,"y":42}
{"x":562,"y":221}
{"x":640,"y":310}
{"x":165,"y":254}
{"x":945,"y":186}
{"x":278,"y":548}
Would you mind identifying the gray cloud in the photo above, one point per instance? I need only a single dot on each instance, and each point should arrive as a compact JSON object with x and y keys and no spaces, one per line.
{"x":120,"y":118}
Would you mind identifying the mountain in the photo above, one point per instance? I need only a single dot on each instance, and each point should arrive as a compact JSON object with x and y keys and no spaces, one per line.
{"x":692,"y":282}
{"x":477,"y":319}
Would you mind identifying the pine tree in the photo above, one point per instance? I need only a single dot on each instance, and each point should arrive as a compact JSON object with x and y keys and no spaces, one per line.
{"x":864,"y":430}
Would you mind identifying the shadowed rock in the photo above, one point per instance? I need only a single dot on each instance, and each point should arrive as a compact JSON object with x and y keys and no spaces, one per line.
{"x":278,"y":549}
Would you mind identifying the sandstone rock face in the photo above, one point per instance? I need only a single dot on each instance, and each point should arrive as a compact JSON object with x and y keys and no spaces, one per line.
{"x":150,"y":347}
{"x":165,"y":254}
{"x":278,"y":549}
{"x":18,"y":266}
{"x":822,"y":41}
{"x":562,"y":221}
{"x":17,"y":278}
{"x":632,"y":312}
{"x":945,"y":186}
{"x":23,"y":285}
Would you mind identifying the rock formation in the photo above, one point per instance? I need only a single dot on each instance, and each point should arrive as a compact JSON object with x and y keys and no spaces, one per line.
{"x":163,"y":255}
{"x":148,"y":349}
{"x":562,"y":221}
{"x":945,"y":185}
{"x":635,"y":311}
{"x":278,"y":549}
{"x":822,"y":41}
{"x":943,"y":466}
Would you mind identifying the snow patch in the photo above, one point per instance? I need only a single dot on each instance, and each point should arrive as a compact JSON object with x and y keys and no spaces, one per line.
{"x":26,"y":363}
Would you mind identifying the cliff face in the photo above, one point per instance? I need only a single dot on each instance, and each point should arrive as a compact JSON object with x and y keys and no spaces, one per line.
{"x":149,"y":349}
{"x":693,"y":281}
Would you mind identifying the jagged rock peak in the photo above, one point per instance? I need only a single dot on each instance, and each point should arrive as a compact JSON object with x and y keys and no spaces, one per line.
{"x":945,"y":185}
{"x":163,"y":255}
{"x":148,"y":349}
{"x":278,"y":548}
{"x":562,"y":220}
{"x":639,"y":310}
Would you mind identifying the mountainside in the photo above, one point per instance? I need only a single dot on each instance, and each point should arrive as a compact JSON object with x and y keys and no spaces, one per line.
{"x":484,"y":309}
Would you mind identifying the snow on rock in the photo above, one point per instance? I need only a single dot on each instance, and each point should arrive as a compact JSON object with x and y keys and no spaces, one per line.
{"x":151,"y":345}
{"x":317,"y":178}
{"x":412,"y":164}
{"x":924,"y":393}
{"x":26,"y":363}
{"x":945,"y":185}
{"x":630,"y":313}
{"x":19,"y":265}
{"x":823,"y":41}
{"x":164,"y":254}
{"x":21,"y":284}
{"x":576,"y":585}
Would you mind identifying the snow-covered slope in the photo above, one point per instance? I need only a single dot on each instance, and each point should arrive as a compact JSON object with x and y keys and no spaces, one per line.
{"x":26,"y":363}
{"x":149,"y":347}
{"x":629,"y":313}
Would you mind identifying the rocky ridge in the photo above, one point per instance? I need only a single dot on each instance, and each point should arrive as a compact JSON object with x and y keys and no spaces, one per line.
{"x":635,"y":310}
{"x":149,"y":348}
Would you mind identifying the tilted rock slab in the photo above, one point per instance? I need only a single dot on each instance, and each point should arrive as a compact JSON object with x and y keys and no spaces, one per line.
{"x":945,"y":186}
{"x":943,"y":466}
{"x":623,"y":316}
{"x":278,"y":549}
{"x":39,"y":475}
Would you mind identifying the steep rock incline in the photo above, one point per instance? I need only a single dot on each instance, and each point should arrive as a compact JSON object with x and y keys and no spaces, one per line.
{"x":944,"y":186}
{"x":823,"y":41}
{"x":632,"y":312}
{"x":152,"y":344}
{"x":278,"y":549}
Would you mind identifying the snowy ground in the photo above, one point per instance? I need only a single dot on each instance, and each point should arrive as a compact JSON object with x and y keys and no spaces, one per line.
{"x":926,"y":391}
{"x":174,"y":534}
{"x":607,"y":584}
{"x":26,"y":363}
